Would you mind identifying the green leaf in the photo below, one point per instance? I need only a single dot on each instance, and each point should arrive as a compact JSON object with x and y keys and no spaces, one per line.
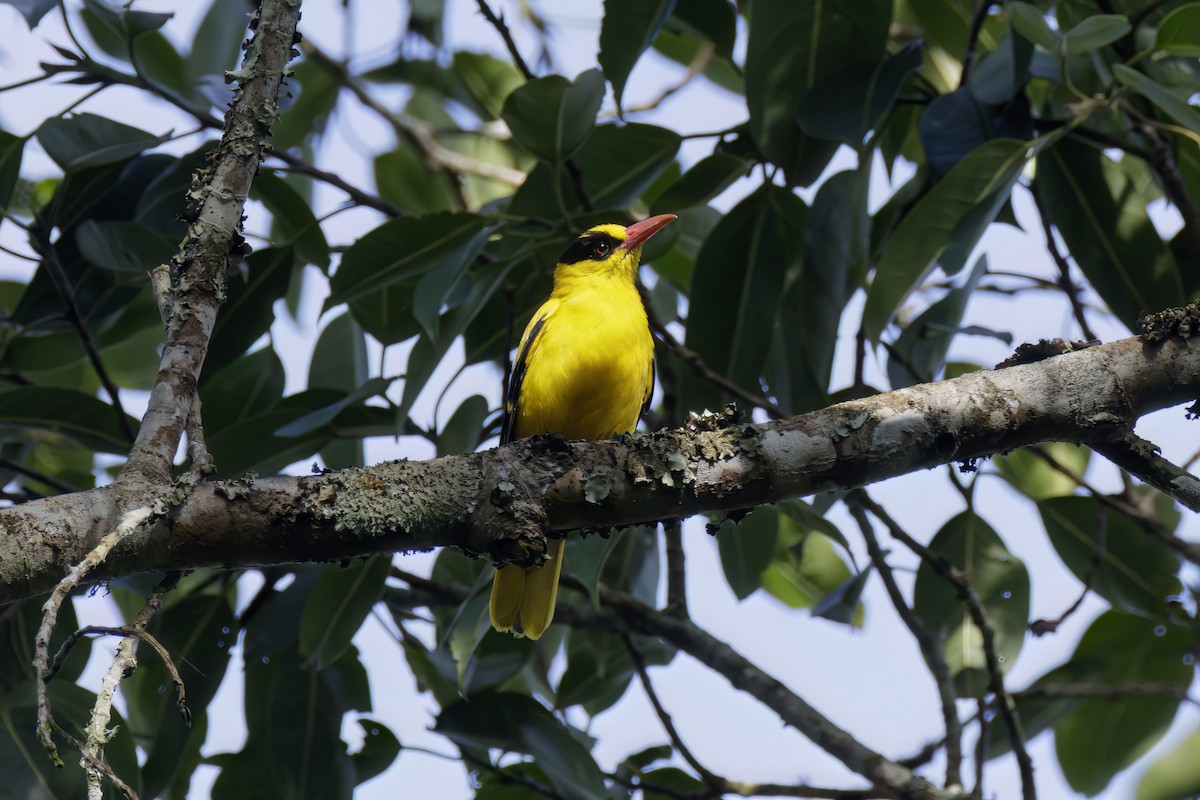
{"x":685,"y":48}
{"x":252,"y":445}
{"x":1087,"y":198}
{"x":12,"y":148}
{"x":218,"y":41}
{"x":806,"y":567}
{"x":242,"y":389}
{"x":1035,"y":478}
{"x":198,"y":631}
{"x":123,"y":246}
{"x":835,"y":260}
{"x":586,"y":558}
{"x":32,"y":10}
{"x":847,"y":105}
{"x":707,"y":179}
{"x":293,"y":218}
{"x":29,"y":773}
{"x":293,"y":720}
{"x":618,"y":163}
{"x":1176,"y":774}
{"x":314,"y":93}
{"x":551,"y":117}
{"x":487,"y":79}
{"x":427,"y":354}
{"x":793,"y":46}
{"x":982,"y":180}
{"x":516,"y":722}
{"x":1000,"y":581}
{"x":715,"y":20}
{"x":737,"y":285}
{"x":746,"y":548}
{"x":1004,"y":72}
{"x":919,"y":352}
{"x":404,"y":179}
{"x":627,"y":29}
{"x":1135,"y":573}
{"x":84,"y":418}
{"x":18,"y":630}
{"x":1179,"y":33}
{"x":1030,"y":22}
{"x":403,"y":248}
{"x":340,"y":601}
{"x":89,"y":140}
{"x":1101,"y":737}
{"x":844,"y":604}
{"x":326,"y":414}
{"x":464,"y":430}
{"x":1098,"y":30}
{"x":1173,"y":102}
{"x":339,"y":361}
{"x":248,"y":311}
{"x":379,"y":751}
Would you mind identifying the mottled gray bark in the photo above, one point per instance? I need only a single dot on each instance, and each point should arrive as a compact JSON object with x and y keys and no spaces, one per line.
{"x":500,"y":502}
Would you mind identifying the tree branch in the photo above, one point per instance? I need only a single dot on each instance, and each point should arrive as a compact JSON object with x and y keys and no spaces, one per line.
{"x":501,"y":502}
{"x":198,"y":270}
{"x":1141,"y":458}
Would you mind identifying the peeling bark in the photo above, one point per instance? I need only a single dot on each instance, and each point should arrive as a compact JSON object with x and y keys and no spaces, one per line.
{"x":500,"y":502}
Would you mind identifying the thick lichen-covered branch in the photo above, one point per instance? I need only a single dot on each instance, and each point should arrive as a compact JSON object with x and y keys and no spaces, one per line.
{"x":501,"y":502}
{"x":215,"y":204}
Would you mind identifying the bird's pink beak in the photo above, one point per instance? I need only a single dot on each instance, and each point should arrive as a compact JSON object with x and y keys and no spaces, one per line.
{"x":637,"y":233}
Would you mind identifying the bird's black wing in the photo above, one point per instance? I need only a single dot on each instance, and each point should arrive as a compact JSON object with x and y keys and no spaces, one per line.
{"x":508,"y":431}
{"x":649,"y":391}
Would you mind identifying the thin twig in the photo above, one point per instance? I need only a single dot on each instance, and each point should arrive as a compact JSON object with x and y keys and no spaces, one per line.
{"x":123,"y":664}
{"x":931,"y":646}
{"x":41,"y":661}
{"x":699,"y":63}
{"x":977,"y":20}
{"x":1040,"y":627}
{"x":677,"y":604}
{"x":497,"y":22}
{"x":639,"y":664}
{"x":1148,"y":522}
{"x":66,"y":294}
{"x":947,"y":570}
{"x":39,"y":476}
{"x":1068,"y":286}
{"x":1141,"y":458}
{"x":702,"y":370}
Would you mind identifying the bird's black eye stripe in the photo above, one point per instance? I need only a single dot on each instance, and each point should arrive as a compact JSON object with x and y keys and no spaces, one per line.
{"x":593,"y":245}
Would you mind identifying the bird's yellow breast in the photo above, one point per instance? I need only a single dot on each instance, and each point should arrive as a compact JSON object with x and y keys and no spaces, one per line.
{"x":590,"y":367}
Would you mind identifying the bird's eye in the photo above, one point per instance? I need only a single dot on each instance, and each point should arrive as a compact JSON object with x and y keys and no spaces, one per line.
{"x":601,"y":249}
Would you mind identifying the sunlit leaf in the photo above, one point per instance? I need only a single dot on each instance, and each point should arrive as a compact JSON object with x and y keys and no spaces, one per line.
{"x":551,"y":117}
{"x":1001,"y":583}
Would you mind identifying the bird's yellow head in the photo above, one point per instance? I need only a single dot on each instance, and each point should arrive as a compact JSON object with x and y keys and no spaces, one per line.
{"x":609,"y":250}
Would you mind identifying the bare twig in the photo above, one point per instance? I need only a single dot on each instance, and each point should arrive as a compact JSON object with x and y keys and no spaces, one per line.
{"x":1148,"y":522}
{"x":977,"y":20}
{"x":1041,"y":627}
{"x":38,"y":475}
{"x":41,"y":662}
{"x":699,"y":63}
{"x":639,"y":664}
{"x":497,"y":22}
{"x":931,"y":646}
{"x":123,"y":664}
{"x":1109,"y":691}
{"x":947,"y":570}
{"x":1141,"y":458}
{"x":501,"y":27}
{"x":677,"y":604}
{"x":702,"y":370}
{"x":1068,"y":286}
{"x":198,"y":270}
{"x":66,"y":294}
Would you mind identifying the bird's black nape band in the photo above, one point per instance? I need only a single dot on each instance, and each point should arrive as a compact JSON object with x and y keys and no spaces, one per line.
{"x":594,"y":245}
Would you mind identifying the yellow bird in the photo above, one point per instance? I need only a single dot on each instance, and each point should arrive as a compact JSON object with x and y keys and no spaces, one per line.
{"x":584,"y":370}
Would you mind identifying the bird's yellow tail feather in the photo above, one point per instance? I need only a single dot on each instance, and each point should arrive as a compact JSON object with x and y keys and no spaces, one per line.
{"x":523,"y":599}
